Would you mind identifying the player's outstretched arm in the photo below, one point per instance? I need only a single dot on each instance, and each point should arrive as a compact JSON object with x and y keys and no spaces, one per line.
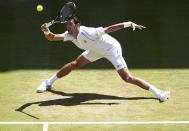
{"x":49,"y":35}
{"x":119,"y":26}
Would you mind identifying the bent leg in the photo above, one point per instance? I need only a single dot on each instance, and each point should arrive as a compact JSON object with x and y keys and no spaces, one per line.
{"x":116,"y":58}
{"x":126,"y":76}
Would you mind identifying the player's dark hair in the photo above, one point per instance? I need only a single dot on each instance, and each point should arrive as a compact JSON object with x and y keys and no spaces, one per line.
{"x":75,"y":18}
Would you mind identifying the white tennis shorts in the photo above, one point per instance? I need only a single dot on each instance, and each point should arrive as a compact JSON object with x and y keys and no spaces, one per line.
{"x":114,"y":56}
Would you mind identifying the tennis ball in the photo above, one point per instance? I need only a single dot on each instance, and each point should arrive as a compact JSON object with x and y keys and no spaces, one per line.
{"x":39,"y":8}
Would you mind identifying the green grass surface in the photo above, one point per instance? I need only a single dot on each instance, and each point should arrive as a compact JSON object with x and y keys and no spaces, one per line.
{"x":118,"y":127}
{"x":94,"y":95}
{"x":163,"y":127}
{"x":20,"y":127}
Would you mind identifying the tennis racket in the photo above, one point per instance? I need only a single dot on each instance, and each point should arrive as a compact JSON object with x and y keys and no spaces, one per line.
{"x":67,"y":11}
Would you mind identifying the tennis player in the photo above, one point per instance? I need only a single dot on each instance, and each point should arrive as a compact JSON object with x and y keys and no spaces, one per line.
{"x":97,"y":44}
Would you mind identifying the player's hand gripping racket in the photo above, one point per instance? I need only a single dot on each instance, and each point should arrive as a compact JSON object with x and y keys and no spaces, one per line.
{"x":67,"y":11}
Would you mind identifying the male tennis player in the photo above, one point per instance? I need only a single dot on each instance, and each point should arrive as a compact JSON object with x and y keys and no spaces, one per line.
{"x":97,"y":44}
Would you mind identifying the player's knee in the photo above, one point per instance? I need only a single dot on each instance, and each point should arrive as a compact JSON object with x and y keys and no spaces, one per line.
{"x":74,"y":64}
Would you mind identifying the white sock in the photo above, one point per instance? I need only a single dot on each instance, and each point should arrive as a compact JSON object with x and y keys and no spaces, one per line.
{"x":52,"y":79}
{"x":155,"y":90}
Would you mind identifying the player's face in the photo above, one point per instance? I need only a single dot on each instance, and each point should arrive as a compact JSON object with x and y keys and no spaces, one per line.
{"x":71,"y":26}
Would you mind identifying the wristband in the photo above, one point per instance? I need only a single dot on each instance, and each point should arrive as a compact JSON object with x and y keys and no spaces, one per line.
{"x":127,"y":24}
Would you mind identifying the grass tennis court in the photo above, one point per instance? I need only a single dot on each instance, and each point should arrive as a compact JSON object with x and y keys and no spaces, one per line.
{"x":20,"y":127}
{"x":160,"y":127}
{"x":93,"y":95}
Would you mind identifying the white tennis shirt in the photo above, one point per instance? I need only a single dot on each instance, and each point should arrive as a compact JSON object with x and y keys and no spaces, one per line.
{"x":92,"y":39}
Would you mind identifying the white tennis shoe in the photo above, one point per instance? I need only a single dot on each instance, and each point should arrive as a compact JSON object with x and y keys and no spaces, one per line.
{"x":164,"y":96}
{"x":43,"y":87}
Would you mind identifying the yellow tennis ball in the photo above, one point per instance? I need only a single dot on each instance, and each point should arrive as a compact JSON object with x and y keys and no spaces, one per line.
{"x":39,"y":8}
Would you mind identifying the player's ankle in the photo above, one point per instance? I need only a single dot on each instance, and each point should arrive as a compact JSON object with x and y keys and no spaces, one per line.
{"x":48,"y":82}
{"x":52,"y":79}
{"x":155,"y":90}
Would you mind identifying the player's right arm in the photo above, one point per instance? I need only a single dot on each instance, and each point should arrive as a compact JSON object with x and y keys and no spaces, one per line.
{"x":51,"y":36}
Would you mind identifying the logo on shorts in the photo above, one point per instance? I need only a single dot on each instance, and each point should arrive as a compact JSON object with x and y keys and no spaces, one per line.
{"x":118,"y":66}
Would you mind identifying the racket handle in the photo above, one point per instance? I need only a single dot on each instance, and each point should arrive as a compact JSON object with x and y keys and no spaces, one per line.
{"x":50,"y":23}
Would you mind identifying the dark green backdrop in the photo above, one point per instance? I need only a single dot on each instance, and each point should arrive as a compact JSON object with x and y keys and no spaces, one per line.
{"x":164,"y":44}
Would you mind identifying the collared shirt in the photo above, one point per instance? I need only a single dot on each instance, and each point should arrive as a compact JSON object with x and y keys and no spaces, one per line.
{"x":92,"y":39}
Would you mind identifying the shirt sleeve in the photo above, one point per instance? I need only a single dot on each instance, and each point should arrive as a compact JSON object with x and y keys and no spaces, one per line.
{"x":100,"y":31}
{"x":67,"y":36}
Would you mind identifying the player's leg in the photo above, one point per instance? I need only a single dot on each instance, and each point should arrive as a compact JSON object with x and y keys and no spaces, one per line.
{"x":116,"y":58}
{"x":85,"y":58}
{"x":65,"y":70}
{"x":77,"y":63}
{"x":127,"y":77}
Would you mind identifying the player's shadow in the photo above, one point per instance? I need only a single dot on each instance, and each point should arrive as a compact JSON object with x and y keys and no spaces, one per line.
{"x":75,"y":99}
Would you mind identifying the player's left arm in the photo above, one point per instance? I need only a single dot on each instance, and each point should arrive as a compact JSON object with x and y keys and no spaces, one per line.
{"x":123,"y":25}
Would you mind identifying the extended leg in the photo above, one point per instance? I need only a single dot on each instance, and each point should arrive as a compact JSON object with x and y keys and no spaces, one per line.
{"x":65,"y":70}
{"x":78,"y":63}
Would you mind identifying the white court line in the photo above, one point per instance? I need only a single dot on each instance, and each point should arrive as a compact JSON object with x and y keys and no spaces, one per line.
{"x":96,"y":123}
{"x":45,"y":126}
